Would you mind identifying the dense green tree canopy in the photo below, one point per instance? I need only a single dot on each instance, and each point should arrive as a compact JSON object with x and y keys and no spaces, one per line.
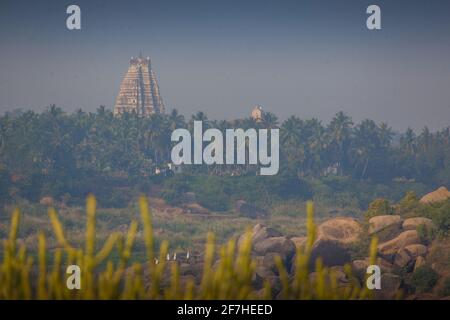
{"x":60,"y":153}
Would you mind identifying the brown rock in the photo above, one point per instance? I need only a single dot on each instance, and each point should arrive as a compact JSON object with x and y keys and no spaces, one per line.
{"x":334,"y":239}
{"x":391,"y":247}
{"x":403,"y":259}
{"x":385,"y":227}
{"x":438,"y":195}
{"x":420,"y":262}
{"x":390,"y":286}
{"x":414,"y":223}
{"x":275,"y":284}
{"x":416,"y":250}
{"x":280,"y":245}
{"x":406,"y":257}
{"x":341,"y":277}
{"x":337,"y":272}
{"x":299,"y":241}
{"x":344,"y":230}
{"x":269,"y":262}
{"x":260,"y":232}
{"x":379,"y":223}
{"x":359,"y":267}
{"x":262,"y":272}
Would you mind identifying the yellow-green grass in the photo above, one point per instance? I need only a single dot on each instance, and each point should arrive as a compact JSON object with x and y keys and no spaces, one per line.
{"x":106,"y":278}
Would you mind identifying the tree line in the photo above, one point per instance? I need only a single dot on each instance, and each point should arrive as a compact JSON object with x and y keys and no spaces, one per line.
{"x":69,"y":154}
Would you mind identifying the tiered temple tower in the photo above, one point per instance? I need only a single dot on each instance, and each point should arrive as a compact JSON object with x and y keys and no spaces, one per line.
{"x":139,"y":91}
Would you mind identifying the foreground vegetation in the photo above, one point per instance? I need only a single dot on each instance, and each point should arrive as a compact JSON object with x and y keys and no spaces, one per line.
{"x":105,"y":278}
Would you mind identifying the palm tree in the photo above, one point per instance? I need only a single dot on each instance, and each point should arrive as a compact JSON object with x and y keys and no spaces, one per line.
{"x":340,"y":130}
{"x":317,"y":145}
{"x":385,"y":134}
{"x":291,"y":140}
{"x":199,"y":116}
{"x":366,"y":145}
{"x":408,"y":143}
{"x":291,"y":131}
{"x":270,"y":120}
{"x":176,"y":120}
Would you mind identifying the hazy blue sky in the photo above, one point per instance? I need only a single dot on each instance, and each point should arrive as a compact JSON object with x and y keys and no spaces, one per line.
{"x":308,"y":58}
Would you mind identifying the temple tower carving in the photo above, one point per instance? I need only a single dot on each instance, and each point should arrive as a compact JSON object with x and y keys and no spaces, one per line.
{"x":139,"y":90}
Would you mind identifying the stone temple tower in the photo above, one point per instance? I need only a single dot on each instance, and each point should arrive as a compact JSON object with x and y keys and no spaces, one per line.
{"x":139,"y":91}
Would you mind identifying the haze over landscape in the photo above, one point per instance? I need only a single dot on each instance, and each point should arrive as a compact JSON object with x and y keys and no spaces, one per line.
{"x":106,"y":178}
{"x":292,"y":57}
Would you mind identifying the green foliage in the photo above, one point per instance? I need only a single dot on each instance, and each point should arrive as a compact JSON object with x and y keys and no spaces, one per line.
{"x":212,"y":194}
{"x":441,"y":216}
{"x":409,"y":205}
{"x":218,"y":193}
{"x":439,"y":213}
{"x":174,"y":187}
{"x":378,"y":207}
{"x":54,"y":153}
{"x":348,"y":192}
{"x":424,"y":279}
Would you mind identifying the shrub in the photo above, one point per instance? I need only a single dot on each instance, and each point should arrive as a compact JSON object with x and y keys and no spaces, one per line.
{"x":441,"y":216}
{"x":171,"y":197}
{"x":408,"y":205}
{"x":378,"y":207}
{"x":174,"y":188}
{"x":424,"y":279}
{"x":212,"y":193}
{"x":214,"y":199}
{"x":290,"y":187}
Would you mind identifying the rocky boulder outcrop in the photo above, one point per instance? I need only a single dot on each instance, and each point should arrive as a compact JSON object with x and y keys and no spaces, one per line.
{"x":299,"y":242}
{"x":441,"y":194}
{"x":406,"y":257}
{"x":339,"y":274}
{"x":385,"y":227}
{"x":416,"y":250}
{"x":359,"y":267}
{"x":414,"y":223}
{"x":334,"y":240}
{"x":268,"y":243}
{"x":420,"y":262}
{"x":389,"y":248}
{"x":261,"y":232}
{"x":280,"y":245}
{"x":390,"y":285}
